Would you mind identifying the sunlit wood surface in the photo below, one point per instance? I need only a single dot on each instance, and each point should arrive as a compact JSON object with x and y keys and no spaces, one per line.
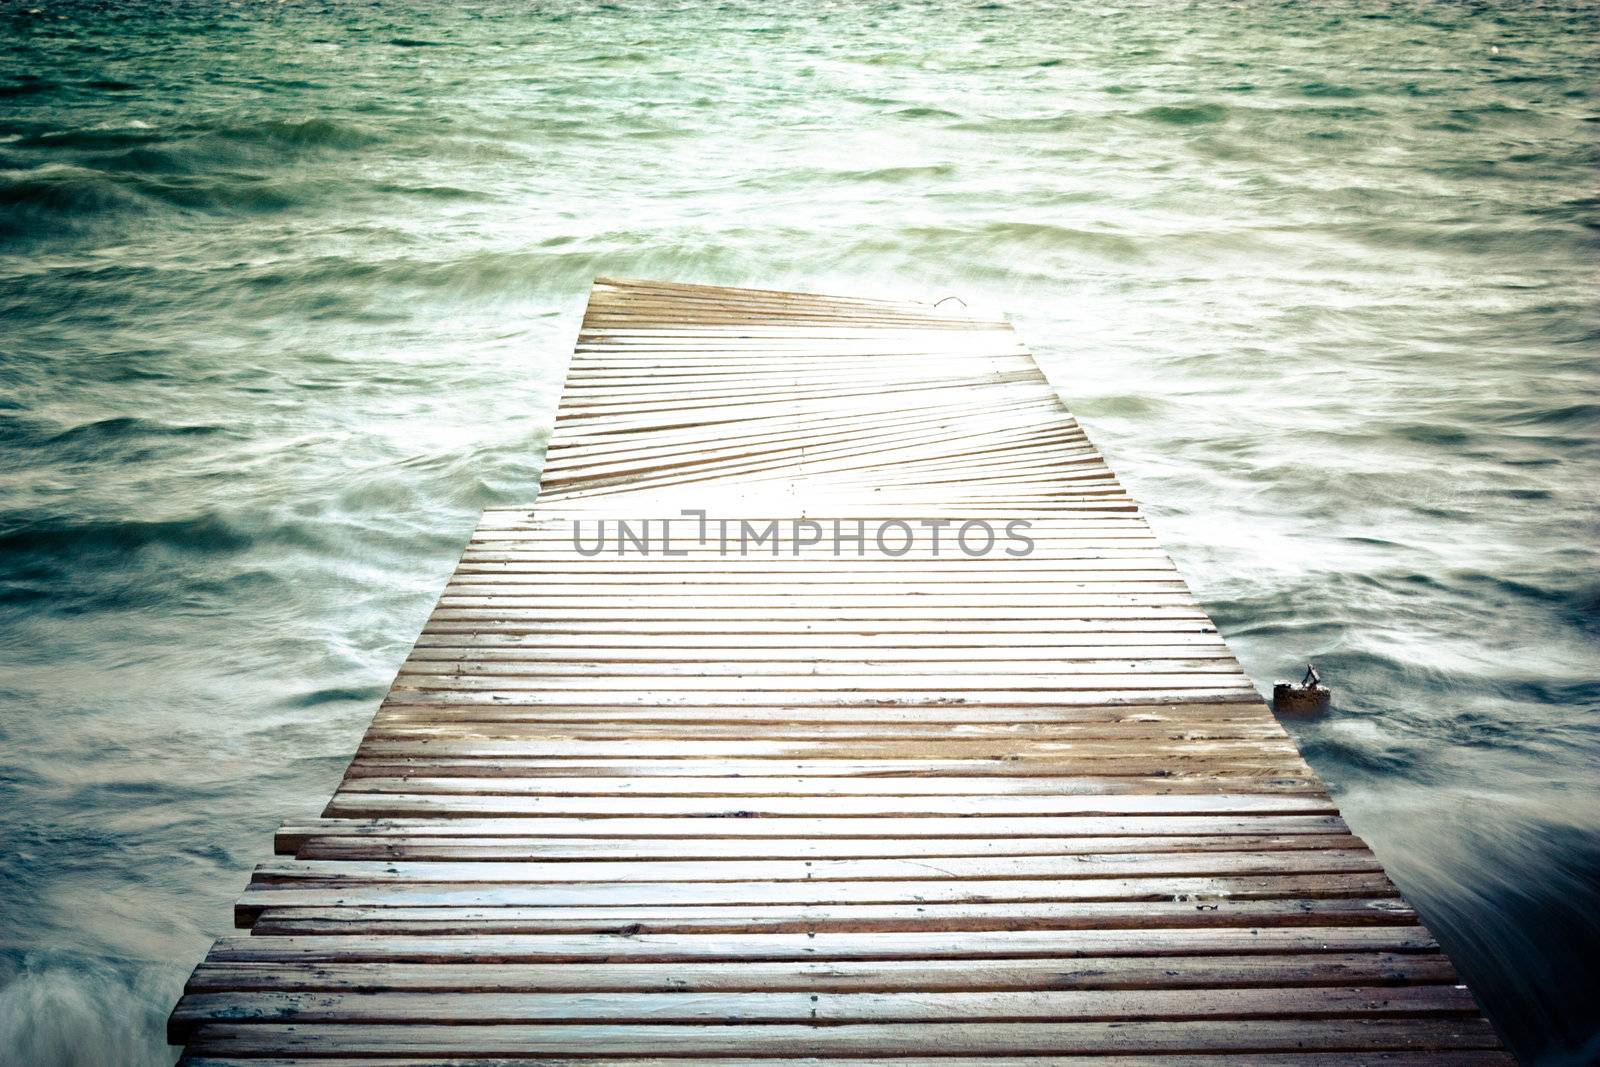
{"x":934,"y":809}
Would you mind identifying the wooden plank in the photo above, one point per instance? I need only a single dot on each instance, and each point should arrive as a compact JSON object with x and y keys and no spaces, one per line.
{"x":815,"y":799}
{"x":821,"y":1008}
{"x":426,"y":779}
{"x":871,"y":1040}
{"x":358,"y":805}
{"x":815,"y":920}
{"x":866,"y":869}
{"x":1349,"y":1058}
{"x":842,"y":976}
{"x":643,"y":946}
{"x":1174,"y":716}
{"x":457,"y":847}
{"x":931,"y":831}
{"x":932,"y":891}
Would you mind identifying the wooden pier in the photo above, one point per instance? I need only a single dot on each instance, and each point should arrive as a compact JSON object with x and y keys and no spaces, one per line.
{"x":653,"y":795}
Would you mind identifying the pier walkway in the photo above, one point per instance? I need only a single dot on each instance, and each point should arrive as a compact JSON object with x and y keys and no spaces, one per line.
{"x":829,"y":771}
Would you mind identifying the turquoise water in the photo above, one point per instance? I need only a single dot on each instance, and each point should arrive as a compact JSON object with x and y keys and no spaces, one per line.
{"x":286,"y":291}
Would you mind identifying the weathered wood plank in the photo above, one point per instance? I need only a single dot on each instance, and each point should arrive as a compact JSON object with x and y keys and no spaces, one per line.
{"x":1021,"y":834}
{"x":840,"y":976}
{"x":813,"y":920}
{"x":870,"y":1040}
{"x":821,"y":1008}
{"x":1348,"y":1058}
{"x":642,"y":946}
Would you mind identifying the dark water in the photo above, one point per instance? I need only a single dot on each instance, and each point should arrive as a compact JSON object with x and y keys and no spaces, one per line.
{"x":286,"y":290}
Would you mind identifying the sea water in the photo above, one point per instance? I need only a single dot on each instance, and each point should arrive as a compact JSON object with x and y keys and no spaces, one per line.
{"x":287,"y":289}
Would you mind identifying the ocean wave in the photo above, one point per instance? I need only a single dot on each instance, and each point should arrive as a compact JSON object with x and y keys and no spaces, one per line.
{"x":66,"y":536}
{"x":1581,"y":415}
{"x":1477,"y":240}
{"x":84,"y":1012}
{"x":231,"y":193}
{"x":61,"y":191}
{"x":1184,"y":115}
{"x":1329,"y":89}
{"x":221,"y":152}
{"x":1368,"y":756}
{"x":93,"y":138}
{"x":199,"y":145}
{"x":304,"y":133}
{"x":1059,"y":123}
{"x":364,"y":695}
{"x":429,"y":192}
{"x":28,"y":85}
{"x":1431,"y":433}
{"x":1007,"y":237}
{"x":89,"y":440}
{"x":27,"y":443}
{"x":479,"y":275}
{"x":897,"y":175}
{"x":134,"y":185}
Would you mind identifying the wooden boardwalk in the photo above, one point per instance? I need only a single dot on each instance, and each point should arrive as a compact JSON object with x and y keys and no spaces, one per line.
{"x":886,"y":801}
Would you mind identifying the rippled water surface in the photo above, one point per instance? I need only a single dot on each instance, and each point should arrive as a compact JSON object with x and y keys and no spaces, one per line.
{"x":286,"y":291}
